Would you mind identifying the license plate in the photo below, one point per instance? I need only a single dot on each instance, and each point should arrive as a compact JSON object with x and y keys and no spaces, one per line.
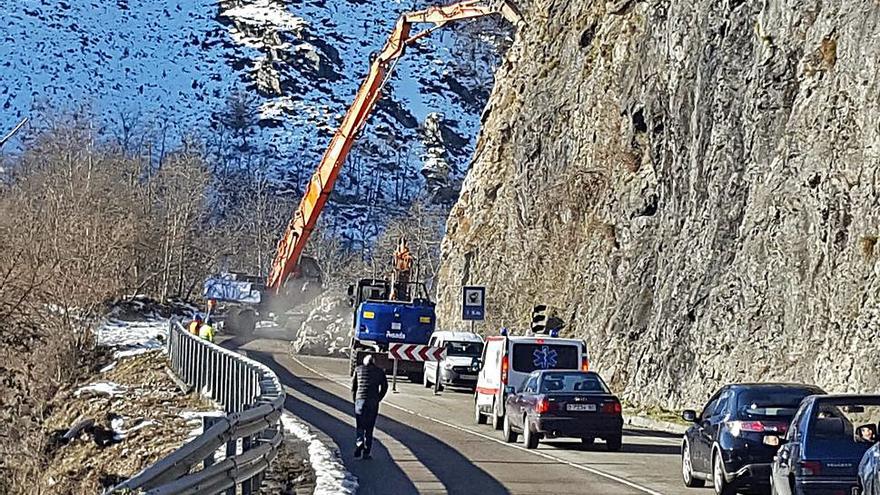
{"x":581,"y":407}
{"x":468,"y":377}
{"x":771,"y":440}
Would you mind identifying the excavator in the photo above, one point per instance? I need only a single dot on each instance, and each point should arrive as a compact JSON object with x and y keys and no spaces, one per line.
{"x":375,"y":299}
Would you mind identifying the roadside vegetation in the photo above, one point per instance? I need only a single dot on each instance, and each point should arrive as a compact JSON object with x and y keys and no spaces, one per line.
{"x":85,"y":222}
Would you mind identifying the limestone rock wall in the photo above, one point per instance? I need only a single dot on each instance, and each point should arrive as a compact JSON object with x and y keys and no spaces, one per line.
{"x":695,"y":183}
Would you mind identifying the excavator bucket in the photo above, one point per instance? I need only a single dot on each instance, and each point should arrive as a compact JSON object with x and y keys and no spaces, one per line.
{"x":511,"y":12}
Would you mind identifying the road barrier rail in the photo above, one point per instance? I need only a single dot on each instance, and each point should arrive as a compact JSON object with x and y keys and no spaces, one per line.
{"x":252,"y":399}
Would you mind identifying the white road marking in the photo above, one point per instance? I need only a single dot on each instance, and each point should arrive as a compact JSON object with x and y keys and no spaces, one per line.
{"x":545,"y":455}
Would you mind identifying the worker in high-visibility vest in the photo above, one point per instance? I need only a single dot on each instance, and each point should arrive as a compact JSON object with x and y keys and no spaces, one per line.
{"x":212,"y":305}
{"x":206,"y":331}
{"x":196,"y":324}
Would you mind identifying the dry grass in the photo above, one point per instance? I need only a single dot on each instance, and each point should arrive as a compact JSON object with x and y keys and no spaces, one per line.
{"x":80,"y":224}
{"x":82,"y":466}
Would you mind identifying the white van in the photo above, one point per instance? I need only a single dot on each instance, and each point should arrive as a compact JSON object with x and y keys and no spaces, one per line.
{"x":508,"y":361}
{"x":462,"y":349}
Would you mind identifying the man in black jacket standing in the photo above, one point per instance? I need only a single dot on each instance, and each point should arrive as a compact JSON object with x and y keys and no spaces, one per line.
{"x":368,"y":388}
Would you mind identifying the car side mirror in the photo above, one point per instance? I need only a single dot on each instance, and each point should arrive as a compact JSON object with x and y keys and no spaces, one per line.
{"x":689,"y":415}
{"x":509,"y":390}
{"x":350,"y":290}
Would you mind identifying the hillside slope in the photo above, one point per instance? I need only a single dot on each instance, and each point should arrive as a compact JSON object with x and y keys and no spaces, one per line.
{"x":262,"y":84}
{"x":695,"y":185}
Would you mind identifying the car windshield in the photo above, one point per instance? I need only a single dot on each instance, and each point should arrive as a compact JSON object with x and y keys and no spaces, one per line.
{"x":771,"y":403}
{"x":470,"y":349}
{"x":531,"y":357}
{"x":573,"y":383}
{"x":841,"y":429}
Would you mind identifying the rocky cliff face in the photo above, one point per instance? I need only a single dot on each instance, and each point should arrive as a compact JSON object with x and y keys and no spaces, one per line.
{"x":695,"y":185}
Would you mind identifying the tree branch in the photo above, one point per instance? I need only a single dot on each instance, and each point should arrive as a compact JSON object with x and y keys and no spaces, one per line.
{"x":13,"y":131}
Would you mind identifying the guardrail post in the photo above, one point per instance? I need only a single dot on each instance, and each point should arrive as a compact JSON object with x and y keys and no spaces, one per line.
{"x":175,"y":350}
{"x":239,"y":387}
{"x":231,"y":451}
{"x":197,"y":356}
{"x":212,"y":373}
{"x":188,"y":360}
{"x":224,"y":389}
{"x":207,"y":423}
{"x":183,"y":360}
{"x":258,"y":481}
{"x":201,"y":367}
{"x":247,"y":485}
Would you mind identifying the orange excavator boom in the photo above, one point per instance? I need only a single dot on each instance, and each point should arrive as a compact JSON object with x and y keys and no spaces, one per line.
{"x":319,"y":187}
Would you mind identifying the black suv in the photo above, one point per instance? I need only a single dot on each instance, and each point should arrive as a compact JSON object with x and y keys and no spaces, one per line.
{"x":733,"y":441}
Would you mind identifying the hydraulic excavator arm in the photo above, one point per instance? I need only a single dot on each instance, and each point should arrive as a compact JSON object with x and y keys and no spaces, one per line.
{"x":318,"y":190}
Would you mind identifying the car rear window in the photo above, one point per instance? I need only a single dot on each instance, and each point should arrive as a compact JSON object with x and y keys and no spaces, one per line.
{"x":771,"y":403}
{"x":842,"y":431}
{"x":531,"y":357}
{"x":573,"y":383}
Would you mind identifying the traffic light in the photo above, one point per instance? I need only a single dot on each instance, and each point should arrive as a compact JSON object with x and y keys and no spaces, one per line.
{"x":539,"y":318}
{"x":544,"y":320}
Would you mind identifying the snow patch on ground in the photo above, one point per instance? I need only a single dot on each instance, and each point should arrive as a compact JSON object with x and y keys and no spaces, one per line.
{"x":262,"y":12}
{"x":109,"y":389}
{"x":119,"y":430}
{"x":332,"y":477}
{"x":131,"y":338}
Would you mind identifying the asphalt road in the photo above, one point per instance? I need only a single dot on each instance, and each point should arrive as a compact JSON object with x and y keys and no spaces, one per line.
{"x":430,"y":444}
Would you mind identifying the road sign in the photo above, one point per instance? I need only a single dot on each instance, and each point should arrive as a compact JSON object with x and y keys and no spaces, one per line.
{"x":416,"y":352}
{"x":473,"y":304}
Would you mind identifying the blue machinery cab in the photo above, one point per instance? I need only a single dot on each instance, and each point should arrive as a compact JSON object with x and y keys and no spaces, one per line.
{"x":385,"y":314}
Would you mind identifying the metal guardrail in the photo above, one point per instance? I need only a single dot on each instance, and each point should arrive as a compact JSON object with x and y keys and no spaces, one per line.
{"x":252,"y":398}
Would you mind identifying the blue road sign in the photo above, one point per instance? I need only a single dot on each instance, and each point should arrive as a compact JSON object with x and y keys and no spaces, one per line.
{"x":473,"y":304}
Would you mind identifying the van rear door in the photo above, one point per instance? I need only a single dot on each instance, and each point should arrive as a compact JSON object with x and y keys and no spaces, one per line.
{"x":530,"y":356}
{"x":489,"y":379}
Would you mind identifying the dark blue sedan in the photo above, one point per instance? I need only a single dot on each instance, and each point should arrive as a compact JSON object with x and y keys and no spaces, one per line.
{"x":733,"y":440}
{"x":828,"y":438}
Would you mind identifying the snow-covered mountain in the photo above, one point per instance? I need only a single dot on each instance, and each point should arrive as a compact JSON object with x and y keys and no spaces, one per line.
{"x":262,"y":82}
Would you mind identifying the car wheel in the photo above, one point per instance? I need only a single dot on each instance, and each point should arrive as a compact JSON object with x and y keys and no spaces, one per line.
{"x":479,"y":417}
{"x":497,"y":421}
{"x":687,"y":468}
{"x":719,"y":480}
{"x":530,"y":438}
{"x":508,"y":433}
{"x":588,"y":441}
{"x":614,"y":443}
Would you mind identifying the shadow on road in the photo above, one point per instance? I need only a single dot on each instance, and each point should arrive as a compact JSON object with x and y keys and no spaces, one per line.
{"x":382,"y":474}
{"x":631,"y":448}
